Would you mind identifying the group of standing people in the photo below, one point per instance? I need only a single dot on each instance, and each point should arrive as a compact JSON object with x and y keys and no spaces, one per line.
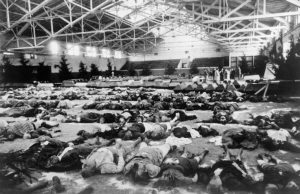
{"x":222,"y":74}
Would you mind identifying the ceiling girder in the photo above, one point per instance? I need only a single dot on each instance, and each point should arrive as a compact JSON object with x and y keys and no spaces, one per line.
{"x":230,"y":26}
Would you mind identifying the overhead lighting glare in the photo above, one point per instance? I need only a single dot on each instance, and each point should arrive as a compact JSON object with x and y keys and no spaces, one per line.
{"x":8,"y":53}
{"x":106,"y":53}
{"x":91,"y":51}
{"x":73,"y":49}
{"x":118,"y":54}
{"x":54,"y":47}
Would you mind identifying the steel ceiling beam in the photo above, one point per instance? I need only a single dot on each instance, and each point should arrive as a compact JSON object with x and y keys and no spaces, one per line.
{"x":228,"y":25}
{"x":244,"y":37}
{"x":28,"y":14}
{"x":77,"y":20}
{"x":294,"y":2}
{"x":263,"y":16}
{"x":249,"y":30}
{"x":236,"y":9}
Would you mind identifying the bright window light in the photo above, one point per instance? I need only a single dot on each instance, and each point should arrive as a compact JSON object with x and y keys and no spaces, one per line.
{"x":54,"y":47}
{"x":91,"y":51}
{"x":8,"y":53}
{"x":118,"y":54}
{"x":27,"y":56}
{"x":73,"y":49}
{"x":106,"y":53}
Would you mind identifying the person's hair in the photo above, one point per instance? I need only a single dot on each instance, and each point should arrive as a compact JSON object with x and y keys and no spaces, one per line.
{"x":85,"y":173}
{"x":140,"y":116}
{"x":133,"y":172}
{"x":128,"y":135}
{"x":3,"y":131}
{"x":11,"y":136}
{"x":120,"y":117}
{"x":155,"y":136}
{"x":101,"y":117}
{"x":269,"y":144}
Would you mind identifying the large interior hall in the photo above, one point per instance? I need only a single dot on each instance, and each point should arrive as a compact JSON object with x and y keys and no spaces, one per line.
{"x":149,"y":96}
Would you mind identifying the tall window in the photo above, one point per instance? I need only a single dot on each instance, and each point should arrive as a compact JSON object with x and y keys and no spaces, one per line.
{"x":73,"y":49}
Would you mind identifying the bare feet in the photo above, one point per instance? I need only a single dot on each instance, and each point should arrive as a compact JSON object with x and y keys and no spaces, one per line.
{"x":239,"y":157}
{"x":177,"y":116}
{"x":195,"y":178}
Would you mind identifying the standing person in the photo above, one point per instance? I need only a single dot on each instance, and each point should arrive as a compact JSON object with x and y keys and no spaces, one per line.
{"x":221,"y":74}
{"x":239,"y":72}
{"x":224,"y":74}
{"x":217,"y":76}
{"x":206,"y":75}
{"x":232,"y":74}
{"x":210,"y":73}
{"x":213,"y":73}
{"x":227,"y":74}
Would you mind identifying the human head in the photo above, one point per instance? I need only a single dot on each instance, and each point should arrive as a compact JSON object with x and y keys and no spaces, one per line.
{"x":43,"y":138}
{"x":28,"y":135}
{"x":143,"y":172}
{"x":171,"y":161}
{"x":281,"y":119}
{"x":11,"y":136}
{"x":101,"y":120}
{"x":122,"y":121}
{"x":222,"y":117}
{"x":52,"y":161}
{"x":3,"y":131}
{"x":292,"y":187}
{"x":157,"y":119}
{"x":88,"y":171}
{"x":139,"y":119}
{"x":156,"y":134}
{"x":270,"y":144}
{"x":128,"y":135}
{"x":3,"y":127}
{"x":264,"y":159}
{"x":39,"y":123}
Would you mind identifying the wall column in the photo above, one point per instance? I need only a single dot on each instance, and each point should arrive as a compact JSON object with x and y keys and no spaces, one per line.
{"x":229,"y":59}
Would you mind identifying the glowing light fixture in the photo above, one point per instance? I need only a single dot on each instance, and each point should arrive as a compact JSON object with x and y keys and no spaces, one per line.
{"x":8,"y":53}
{"x":73,"y":49}
{"x":106,"y":53}
{"x":54,"y":47}
{"x":91,"y":51}
{"x":27,"y":56}
{"x":118,"y":54}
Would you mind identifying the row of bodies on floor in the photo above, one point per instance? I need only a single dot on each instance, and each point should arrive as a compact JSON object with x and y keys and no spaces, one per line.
{"x":137,"y":158}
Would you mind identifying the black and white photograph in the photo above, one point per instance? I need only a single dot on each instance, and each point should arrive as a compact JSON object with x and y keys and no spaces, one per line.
{"x":149,"y":96}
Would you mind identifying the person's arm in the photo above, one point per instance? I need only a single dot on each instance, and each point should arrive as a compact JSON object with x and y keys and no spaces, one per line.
{"x":206,"y":121}
{"x":233,"y":121}
{"x":121,"y":162}
{"x":113,"y":168}
{"x":188,"y":180}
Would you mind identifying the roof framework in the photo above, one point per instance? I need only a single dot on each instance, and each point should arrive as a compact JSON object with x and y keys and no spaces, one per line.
{"x":136,"y":25}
